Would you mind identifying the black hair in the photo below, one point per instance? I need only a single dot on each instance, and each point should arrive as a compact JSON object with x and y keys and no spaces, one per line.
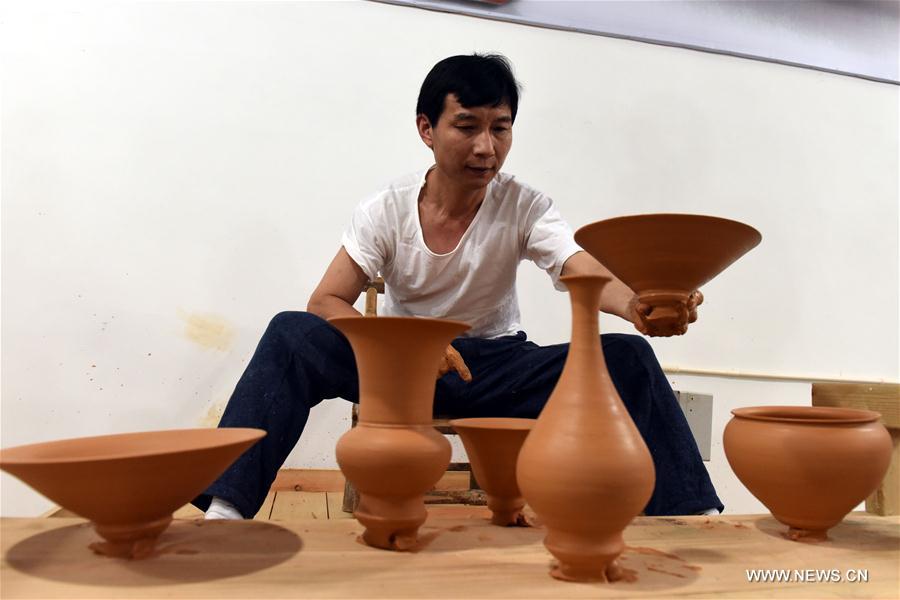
{"x":476,"y":80}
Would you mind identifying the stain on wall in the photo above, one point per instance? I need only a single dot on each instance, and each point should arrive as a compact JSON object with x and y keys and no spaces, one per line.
{"x":207,"y":330}
{"x":214,"y":414}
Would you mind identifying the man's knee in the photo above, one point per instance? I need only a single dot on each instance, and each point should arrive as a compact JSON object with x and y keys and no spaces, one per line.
{"x":630,"y":359}
{"x":635,"y":347}
{"x":294,"y":323}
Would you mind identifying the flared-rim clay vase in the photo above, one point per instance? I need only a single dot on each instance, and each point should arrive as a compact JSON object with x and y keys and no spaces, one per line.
{"x":584,"y":468}
{"x":128,"y":484}
{"x":492,"y":445}
{"x":395,"y":455}
{"x":809,"y":465}
{"x":665,"y":257}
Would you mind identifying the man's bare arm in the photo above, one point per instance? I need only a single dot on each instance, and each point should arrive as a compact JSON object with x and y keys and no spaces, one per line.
{"x":339,"y":288}
{"x":618,"y":299}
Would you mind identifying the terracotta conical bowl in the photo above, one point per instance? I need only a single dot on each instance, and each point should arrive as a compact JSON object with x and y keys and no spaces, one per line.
{"x":665,"y":257}
{"x":128,"y":484}
{"x":809,"y":465}
{"x":492,"y":445}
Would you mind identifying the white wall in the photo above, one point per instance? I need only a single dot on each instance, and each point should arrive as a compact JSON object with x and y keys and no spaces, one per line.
{"x":175,"y":174}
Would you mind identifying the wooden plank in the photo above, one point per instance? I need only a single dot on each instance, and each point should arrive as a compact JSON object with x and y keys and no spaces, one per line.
{"x":330,"y":480}
{"x":671,"y":557}
{"x":457,"y":511}
{"x":309,"y":480}
{"x":265,"y":511}
{"x":334,"y":502}
{"x":292,"y":506}
{"x":886,"y":499}
{"x":880,"y":397}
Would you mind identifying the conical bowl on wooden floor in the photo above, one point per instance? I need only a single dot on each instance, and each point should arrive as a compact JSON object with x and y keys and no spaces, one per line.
{"x":128,"y":484}
{"x":665,"y":257}
{"x":394,"y":454}
{"x":810,"y":465}
{"x":492,"y":445}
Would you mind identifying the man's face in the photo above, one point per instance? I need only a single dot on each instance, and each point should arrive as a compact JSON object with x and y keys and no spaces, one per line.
{"x":469,"y":144}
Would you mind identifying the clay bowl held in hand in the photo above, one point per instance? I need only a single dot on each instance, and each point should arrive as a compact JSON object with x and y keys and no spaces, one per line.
{"x":665,"y":257}
{"x":492,"y":445}
{"x":809,"y":465}
{"x":128,"y":484}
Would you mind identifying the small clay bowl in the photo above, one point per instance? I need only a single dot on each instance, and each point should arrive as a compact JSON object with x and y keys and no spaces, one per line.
{"x":492,"y":445}
{"x":809,"y":465}
{"x":128,"y":484}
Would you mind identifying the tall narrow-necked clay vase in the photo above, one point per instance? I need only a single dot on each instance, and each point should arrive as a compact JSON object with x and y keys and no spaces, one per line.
{"x":395,"y":455}
{"x":810,"y":465}
{"x":665,"y":257}
{"x":493,"y":445}
{"x":128,"y":484}
{"x":584,"y":468}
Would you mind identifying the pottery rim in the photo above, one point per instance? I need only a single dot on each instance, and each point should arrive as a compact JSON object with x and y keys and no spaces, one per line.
{"x":816,"y":415}
{"x":23,"y":455}
{"x":675,"y":216}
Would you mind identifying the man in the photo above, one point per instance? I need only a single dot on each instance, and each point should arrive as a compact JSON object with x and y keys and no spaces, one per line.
{"x":447,"y":242}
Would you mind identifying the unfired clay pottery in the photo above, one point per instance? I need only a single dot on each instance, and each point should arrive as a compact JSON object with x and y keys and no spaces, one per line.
{"x":584,"y":468}
{"x":665,"y":257}
{"x":492,"y":445}
{"x":809,"y":465}
{"x":128,"y":484}
{"x":395,"y":455}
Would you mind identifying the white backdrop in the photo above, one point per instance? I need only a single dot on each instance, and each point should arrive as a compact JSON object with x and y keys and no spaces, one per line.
{"x":175,"y":174}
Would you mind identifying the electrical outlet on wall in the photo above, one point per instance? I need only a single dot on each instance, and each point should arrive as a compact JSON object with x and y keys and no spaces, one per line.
{"x":697,"y":409}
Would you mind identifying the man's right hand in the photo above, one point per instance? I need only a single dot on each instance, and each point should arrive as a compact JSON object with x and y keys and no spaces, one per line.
{"x":452,"y":361}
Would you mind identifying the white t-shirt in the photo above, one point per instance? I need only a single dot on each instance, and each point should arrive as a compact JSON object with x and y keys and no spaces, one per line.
{"x":476,"y":281}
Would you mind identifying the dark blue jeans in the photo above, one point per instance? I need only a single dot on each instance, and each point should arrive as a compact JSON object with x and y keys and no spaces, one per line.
{"x":302,"y":360}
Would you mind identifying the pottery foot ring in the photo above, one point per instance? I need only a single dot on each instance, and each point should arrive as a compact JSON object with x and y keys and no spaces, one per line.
{"x":391,"y":528}
{"x":507,"y":512}
{"x":129,"y":541}
{"x":806,"y":535}
{"x":609,"y":573}
{"x":585,"y":560}
{"x":669,"y":310}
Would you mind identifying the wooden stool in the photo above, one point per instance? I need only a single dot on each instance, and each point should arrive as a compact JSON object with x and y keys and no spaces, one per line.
{"x":442,"y":423}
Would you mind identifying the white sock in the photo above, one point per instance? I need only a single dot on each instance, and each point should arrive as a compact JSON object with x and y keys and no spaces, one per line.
{"x":222,"y":509}
{"x":710,"y":512}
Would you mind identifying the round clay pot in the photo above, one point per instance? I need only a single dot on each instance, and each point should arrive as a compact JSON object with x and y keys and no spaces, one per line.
{"x":394,"y":455}
{"x":810,"y":466}
{"x":492,"y":445}
{"x":128,"y":484}
{"x":584,"y":468}
{"x":665,"y":257}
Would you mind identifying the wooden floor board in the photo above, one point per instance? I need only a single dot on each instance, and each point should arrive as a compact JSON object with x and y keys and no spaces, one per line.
{"x":292,"y":506}
{"x":332,"y":480}
{"x":335,"y":500}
